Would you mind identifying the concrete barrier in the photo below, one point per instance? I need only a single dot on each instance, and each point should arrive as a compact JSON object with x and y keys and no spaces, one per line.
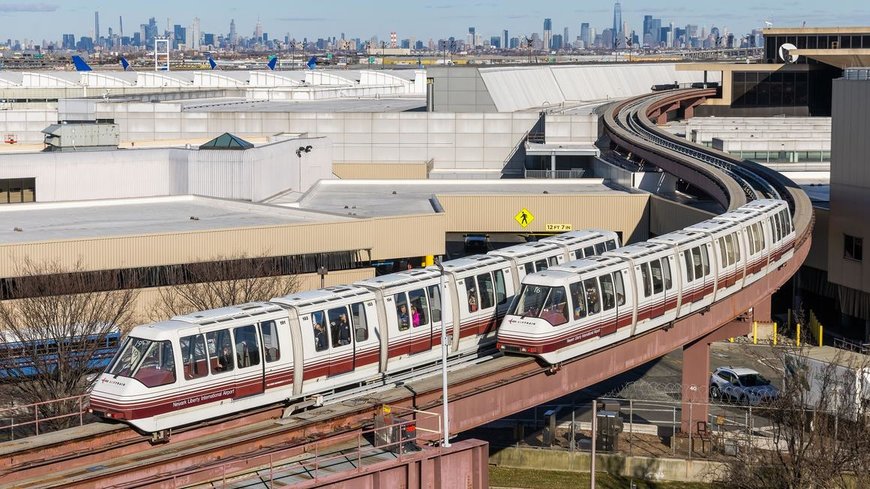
{"x":648,"y":468}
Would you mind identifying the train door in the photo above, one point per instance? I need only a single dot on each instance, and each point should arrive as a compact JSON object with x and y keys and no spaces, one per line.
{"x":271,"y":350}
{"x":504,"y":292}
{"x":250,"y":376}
{"x":657,"y":307}
{"x":399,"y":322}
{"x":421,"y":323}
{"x":608,"y":305}
{"x":486,"y":288}
{"x":689,"y":285}
{"x":340,"y":341}
{"x":366,"y":350}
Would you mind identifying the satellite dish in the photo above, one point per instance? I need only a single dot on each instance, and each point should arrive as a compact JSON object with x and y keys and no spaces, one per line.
{"x":784,"y":51}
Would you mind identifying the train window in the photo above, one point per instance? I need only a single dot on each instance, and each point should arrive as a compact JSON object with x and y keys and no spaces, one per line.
{"x":578,"y":298}
{"x":270,"y":341}
{"x":247,"y":346}
{"x":360,"y":324}
{"x":531,"y":300}
{"x":607,"y":291}
{"x":553,"y":261}
{"x":687,"y":256}
{"x":193,"y":357}
{"x":500,"y":290}
{"x":593,"y":296}
{"x":736,"y":241}
{"x":158,"y":365}
{"x":705,"y":259}
{"x":419,"y":307}
{"x":472,"y":294}
{"x":611,"y":244}
{"x":666,"y":272}
{"x":339,"y":327}
{"x":786,"y":218}
{"x":530,"y":268}
{"x":647,"y":283}
{"x":600,"y":248}
{"x":620,"y":288}
{"x":555,"y":309}
{"x":656,"y":270}
{"x":435,"y":303}
{"x":696,"y":259}
{"x":318,"y":324}
{"x":722,"y":253}
{"x":487,"y":296}
{"x":220,"y":351}
{"x":759,"y":233}
{"x":403,"y":316}
{"x":750,"y":234}
{"x":588,"y":251}
{"x":727,"y":248}
{"x":541,"y":265}
{"x":775,"y":230}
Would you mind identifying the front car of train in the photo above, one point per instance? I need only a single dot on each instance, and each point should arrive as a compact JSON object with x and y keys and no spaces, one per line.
{"x":130,"y":388}
{"x":532,"y":324}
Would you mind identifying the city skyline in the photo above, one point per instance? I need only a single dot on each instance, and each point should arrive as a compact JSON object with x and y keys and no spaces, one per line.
{"x":38,"y":21}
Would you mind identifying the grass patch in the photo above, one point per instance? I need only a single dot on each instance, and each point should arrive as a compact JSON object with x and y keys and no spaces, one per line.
{"x":556,"y":479}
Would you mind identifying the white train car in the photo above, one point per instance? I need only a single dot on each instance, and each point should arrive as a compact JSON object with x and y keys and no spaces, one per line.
{"x":199,"y":366}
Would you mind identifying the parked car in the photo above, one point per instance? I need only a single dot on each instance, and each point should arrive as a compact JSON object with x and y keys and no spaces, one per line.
{"x":743,"y":385}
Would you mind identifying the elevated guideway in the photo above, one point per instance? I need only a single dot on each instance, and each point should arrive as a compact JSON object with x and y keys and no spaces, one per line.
{"x":503,"y":386}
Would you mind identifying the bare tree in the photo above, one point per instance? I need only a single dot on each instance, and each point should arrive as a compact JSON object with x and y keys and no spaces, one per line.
{"x":58,"y":319}
{"x":819,"y":427}
{"x":222,"y":282}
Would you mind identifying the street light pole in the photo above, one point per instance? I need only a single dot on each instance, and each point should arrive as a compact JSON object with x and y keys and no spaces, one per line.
{"x":446,"y":415}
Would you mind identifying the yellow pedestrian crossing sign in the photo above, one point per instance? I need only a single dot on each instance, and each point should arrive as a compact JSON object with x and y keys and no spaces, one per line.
{"x":524,"y":217}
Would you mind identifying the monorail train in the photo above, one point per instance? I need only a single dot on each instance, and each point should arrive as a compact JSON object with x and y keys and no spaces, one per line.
{"x":581,"y":306}
{"x":212,"y":363}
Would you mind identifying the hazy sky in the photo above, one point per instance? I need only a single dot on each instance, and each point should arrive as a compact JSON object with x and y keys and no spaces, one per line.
{"x":422,"y":19}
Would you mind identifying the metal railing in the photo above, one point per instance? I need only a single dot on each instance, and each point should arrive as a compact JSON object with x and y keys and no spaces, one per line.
{"x":26,"y":420}
{"x":275,"y":465}
{"x":573,"y":173}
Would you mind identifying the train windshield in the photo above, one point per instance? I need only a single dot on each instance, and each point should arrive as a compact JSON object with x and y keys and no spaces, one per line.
{"x":150,"y":362}
{"x":538,"y":301}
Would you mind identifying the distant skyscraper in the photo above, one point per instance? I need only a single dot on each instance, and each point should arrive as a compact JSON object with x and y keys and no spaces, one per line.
{"x":548,"y":33}
{"x":504,"y":41}
{"x":584,"y":35}
{"x":565,"y":39}
{"x":470,"y":38}
{"x":121,"y":26}
{"x":394,"y":40}
{"x":234,"y":38}
{"x":617,"y":18}
{"x":258,"y":31}
{"x":193,"y":35}
{"x":96,"y":25}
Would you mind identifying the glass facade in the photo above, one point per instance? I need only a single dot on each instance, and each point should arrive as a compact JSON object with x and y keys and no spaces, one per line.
{"x":765,"y":89}
{"x":813,"y":41}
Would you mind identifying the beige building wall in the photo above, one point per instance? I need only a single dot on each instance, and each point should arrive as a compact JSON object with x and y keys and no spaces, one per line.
{"x":381,"y":171}
{"x":850,"y":182}
{"x":625,"y":213}
{"x":147,"y":299}
{"x":380,"y":235}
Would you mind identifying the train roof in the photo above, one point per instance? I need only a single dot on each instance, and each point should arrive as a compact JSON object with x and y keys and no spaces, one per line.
{"x":764,"y":204}
{"x":549,"y":277}
{"x":587,"y":264}
{"x":525,"y":249}
{"x":638,"y":250}
{"x":713,"y":225}
{"x":739,"y":215}
{"x":212,"y":316}
{"x":469,"y":263}
{"x":678,"y":237}
{"x":320,"y":296}
{"x":400,"y":278}
{"x":577,"y":237}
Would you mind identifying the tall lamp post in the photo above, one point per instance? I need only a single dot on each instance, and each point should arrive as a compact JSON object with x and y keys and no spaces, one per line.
{"x":446,"y":415}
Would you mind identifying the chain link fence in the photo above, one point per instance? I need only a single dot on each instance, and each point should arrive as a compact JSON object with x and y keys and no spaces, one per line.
{"x":641,"y":419}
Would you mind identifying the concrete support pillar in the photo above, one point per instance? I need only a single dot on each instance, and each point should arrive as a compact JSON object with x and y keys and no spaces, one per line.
{"x":762,"y":311}
{"x":696,"y":374}
{"x":553,"y":165}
